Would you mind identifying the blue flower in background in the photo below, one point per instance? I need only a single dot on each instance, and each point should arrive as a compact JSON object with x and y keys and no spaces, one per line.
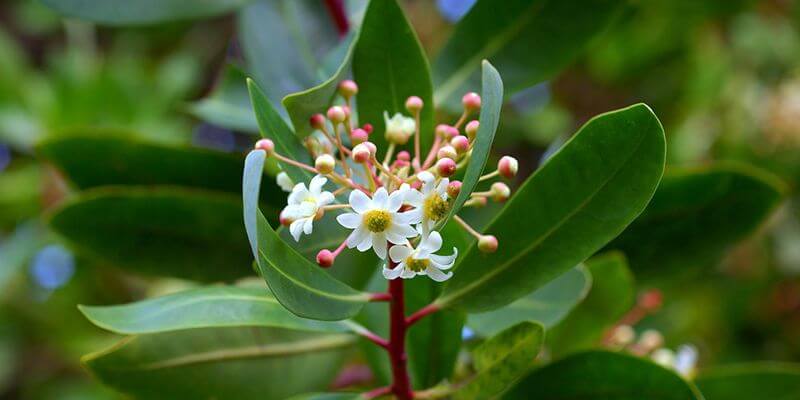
{"x":52,"y":267}
{"x":5,"y":156}
{"x":453,"y":10}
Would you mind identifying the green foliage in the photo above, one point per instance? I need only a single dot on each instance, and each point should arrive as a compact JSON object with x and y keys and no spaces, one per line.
{"x":603,"y":375}
{"x":547,"y":305}
{"x":225,"y":363}
{"x":502,"y":360}
{"x":139,"y":12}
{"x":17,"y":249}
{"x":389,"y":65}
{"x":162,"y":231}
{"x":228,"y":105}
{"x":762,"y":380}
{"x":583,"y":197}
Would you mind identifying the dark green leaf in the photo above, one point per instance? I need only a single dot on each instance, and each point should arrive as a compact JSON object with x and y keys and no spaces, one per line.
{"x":584,"y":196}
{"x":502,"y":360}
{"x":160,"y":231}
{"x":700,"y":211}
{"x":547,"y":305}
{"x":611,"y":296}
{"x":208,"y":307}
{"x":528,"y":41}
{"x":301,"y":286}
{"x":764,"y":380}
{"x":389,"y":65}
{"x":603,"y":376}
{"x":328,"y":396}
{"x":224,"y":363}
{"x":139,"y":12}
{"x":228,"y":106}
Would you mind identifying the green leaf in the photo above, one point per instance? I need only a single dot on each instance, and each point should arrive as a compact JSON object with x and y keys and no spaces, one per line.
{"x":17,"y":248}
{"x":611,"y":296}
{"x":701,"y":211}
{"x":389,"y":65}
{"x":163,"y":231}
{"x":301,"y":286}
{"x":273,"y":127}
{"x":223,"y":363}
{"x":328,"y":396}
{"x":140,"y":12}
{"x":547,"y":305}
{"x":603,"y":376}
{"x":491,"y":103}
{"x":502,"y":360}
{"x":528,"y":41}
{"x":208,"y":307}
{"x":584,"y":196}
{"x":228,"y":106}
{"x":763,"y":380}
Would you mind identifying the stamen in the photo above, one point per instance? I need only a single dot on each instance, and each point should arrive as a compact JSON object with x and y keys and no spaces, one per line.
{"x":377,"y":220}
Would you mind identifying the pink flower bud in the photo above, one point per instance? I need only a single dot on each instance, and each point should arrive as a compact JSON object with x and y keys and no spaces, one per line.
{"x":460,"y":143}
{"x":441,"y":130}
{"x":507,"y":167}
{"x":367,"y":128}
{"x":372,"y":148}
{"x":359,"y":136}
{"x":453,"y":189}
{"x":317,"y":121}
{"x":446,"y":167}
{"x":325,"y":164}
{"x":337,"y":114}
{"x":361,"y":153}
{"x":446,"y":152}
{"x":414,"y":104}
{"x":284,"y":220}
{"x":348,"y":88}
{"x":404,"y":156}
{"x":451,"y":132}
{"x":325,"y":258}
{"x":487,"y":244}
{"x":472,"y":129}
{"x":266,"y":145}
{"x":500,"y":192}
{"x":471,"y":101}
{"x":416,"y":184}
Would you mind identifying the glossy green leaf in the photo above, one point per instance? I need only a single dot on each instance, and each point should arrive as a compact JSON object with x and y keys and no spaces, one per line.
{"x":223,"y":363}
{"x":272,"y":126}
{"x":701,"y":211}
{"x":300,"y":285}
{"x":612,"y":294}
{"x":140,"y":12}
{"x":228,"y":106}
{"x":603,"y":376}
{"x":584,"y":196}
{"x":207,"y":307}
{"x":491,"y":103}
{"x":528,"y":41}
{"x":389,"y":65}
{"x":763,"y":380}
{"x":163,"y":231}
{"x":502,"y":360}
{"x":547,"y":305}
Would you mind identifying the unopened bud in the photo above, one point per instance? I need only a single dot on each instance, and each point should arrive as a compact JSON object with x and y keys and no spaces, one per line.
{"x":500,"y":192}
{"x":348,"y":88}
{"x":664,"y":358}
{"x":507,"y":167}
{"x":337,"y":114}
{"x":471,"y":101}
{"x":446,"y":152}
{"x":414,"y":104}
{"x":266,"y":145}
{"x":399,"y":128}
{"x":404,"y":156}
{"x":476,"y":201}
{"x":372,"y":148}
{"x":317,"y":121}
{"x":325,"y":164}
{"x":367,"y":128}
{"x":453,"y":189}
{"x":650,"y":340}
{"x":325,"y":258}
{"x":361,"y":153}
{"x":623,"y":335}
{"x":487,"y":244}
{"x":446,"y":167}
{"x":472,"y":129}
{"x":359,"y":136}
{"x":460,"y":143}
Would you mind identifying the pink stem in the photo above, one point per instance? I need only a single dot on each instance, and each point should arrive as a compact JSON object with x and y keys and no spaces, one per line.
{"x":421,"y":313}
{"x":336,"y":9}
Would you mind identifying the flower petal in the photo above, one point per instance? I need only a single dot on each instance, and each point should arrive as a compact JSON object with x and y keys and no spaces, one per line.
{"x":432,"y":243}
{"x":325,"y":198}
{"x":380,"y":198}
{"x":414,"y":197}
{"x":408,"y":274}
{"x":379,"y":244}
{"x":315,"y":187}
{"x":299,"y":193}
{"x":308,"y":227}
{"x":359,"y":201}
{"x":296,"y":228}
{"x":437,"y":275}
{"x":392,"y":273}
{"x":395,"y":238}
{"x":402,"y":230}
{"x":399,"y":253}
{"x":349,"y":220}
{"x":445,"y":262}
{"x":395,"y":200}
{"x":358,"y":237}
{"x":409,"y":217}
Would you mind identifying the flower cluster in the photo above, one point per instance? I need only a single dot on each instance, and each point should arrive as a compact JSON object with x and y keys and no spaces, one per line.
{"x":393,"y":206}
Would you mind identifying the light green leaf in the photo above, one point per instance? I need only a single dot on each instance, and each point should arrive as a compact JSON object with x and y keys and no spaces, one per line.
{"x":584,"y":196}
{"x":502,"y":360}
{"x":528,"y":41}
{"x":301,"y":286}
{"x":17,"y":249}
{"x":208,"y":307}
{"x":604,"y":376}
{"x":223,"y":363}
{"x":547,"y":305}
{"x":389,"y":65}
{"x":762,"y":380}
{"x":701,"y":211}
{"x":228,"y":106}
{"x":163,"y":231}
{"x":611,"y":295}
{"x":141,"y":12}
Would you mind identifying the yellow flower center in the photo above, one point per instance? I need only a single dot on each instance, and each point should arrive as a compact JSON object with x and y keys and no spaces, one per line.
{"x":377,"y":220}
{"x":435,"y":208}
{"x":417,"y":265}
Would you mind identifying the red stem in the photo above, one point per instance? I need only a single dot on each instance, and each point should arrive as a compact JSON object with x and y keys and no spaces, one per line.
{"x":401,"y":385}
{"x":421,"y":313}
{"x":336,"y":9}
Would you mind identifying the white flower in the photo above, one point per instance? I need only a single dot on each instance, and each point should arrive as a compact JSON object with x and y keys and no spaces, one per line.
{"x":304,"y":204}
{"x":399,"y":128}
{"x":430,"y":204}
{"x":284,"y":182}
{"x":421,"y":261}
{"x":377,"y":220}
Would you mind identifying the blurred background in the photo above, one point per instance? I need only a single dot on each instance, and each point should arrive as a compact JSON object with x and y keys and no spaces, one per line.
{"x":722,"y":75}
